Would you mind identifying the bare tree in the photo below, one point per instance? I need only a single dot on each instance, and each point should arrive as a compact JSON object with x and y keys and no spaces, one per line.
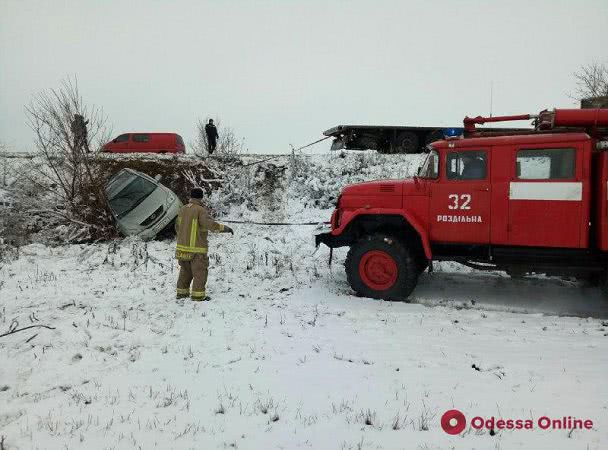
{"x":4,"y":165}
{"x":228,"y":145}
{"x":591,"y":81}
{"x":66,"y":129}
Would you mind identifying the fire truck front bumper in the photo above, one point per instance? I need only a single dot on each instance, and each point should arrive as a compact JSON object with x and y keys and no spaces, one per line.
{"x":323,"y":238}
{"x":332,"y":241}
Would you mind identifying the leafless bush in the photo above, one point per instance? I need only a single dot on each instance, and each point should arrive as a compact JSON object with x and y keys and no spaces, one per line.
{"x":77,"y":205}
{"x":398,"y":422}
{"x":7,"y":253}
{"x":14,"y":227}
{"x":425,"y":418}
{"x":266,"y":405}
{"x":370,"y":418}
{"x":4,"y":166}
{"x":13,"y":230}
{"x":299,"y":165}
{"x":591,"y":81}
{"x":229,"y":146}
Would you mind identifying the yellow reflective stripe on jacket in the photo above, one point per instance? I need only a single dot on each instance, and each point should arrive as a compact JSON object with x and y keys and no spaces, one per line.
{"x":188,"y":249}
{"x":192,"y":248}
{"x":193,"y":232}
{"x":221,"y":227}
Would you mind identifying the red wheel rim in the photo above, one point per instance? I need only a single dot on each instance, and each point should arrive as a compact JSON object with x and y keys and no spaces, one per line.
{"x":378,"y":270}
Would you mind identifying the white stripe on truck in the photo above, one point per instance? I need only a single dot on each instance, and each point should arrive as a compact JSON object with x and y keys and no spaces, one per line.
{"x":549,"y":190}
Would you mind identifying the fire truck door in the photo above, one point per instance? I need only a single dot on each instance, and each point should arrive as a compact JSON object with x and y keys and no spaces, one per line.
{"x":460,"y":201}
{"x":546,"y":198}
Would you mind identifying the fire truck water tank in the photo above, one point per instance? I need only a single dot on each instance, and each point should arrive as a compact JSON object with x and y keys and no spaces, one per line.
{"x":580,"y":118}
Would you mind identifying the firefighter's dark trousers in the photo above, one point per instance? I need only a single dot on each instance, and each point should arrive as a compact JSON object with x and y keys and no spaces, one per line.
{"x":195,"y":272}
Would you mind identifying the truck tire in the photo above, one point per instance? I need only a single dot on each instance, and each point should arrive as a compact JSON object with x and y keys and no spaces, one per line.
{"x":380,"y":266}
{"x":406,"y":142}
{"x":368,"y":142}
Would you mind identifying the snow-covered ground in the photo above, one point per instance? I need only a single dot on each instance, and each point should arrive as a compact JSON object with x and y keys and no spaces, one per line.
{"x":285,"y":356}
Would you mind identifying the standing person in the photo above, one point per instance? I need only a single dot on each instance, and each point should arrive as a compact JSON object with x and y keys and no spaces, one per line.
{"x":79,"y":131}
{"x":212,"y":136}
{"x":192,"y":225}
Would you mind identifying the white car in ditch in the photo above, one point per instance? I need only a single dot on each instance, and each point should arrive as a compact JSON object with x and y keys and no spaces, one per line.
{"x":141,"y":205}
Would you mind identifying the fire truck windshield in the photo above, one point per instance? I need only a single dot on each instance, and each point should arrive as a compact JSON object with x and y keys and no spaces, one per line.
{"x":430,"y":165}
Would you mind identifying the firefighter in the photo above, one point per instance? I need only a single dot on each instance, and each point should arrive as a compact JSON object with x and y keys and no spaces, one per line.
{"x":212,"y":136}
{"x":79,"y":131}
{"x":192,"y":225}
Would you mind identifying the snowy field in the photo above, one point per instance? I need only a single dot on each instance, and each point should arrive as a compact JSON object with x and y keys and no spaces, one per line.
{"x":285,"y":356}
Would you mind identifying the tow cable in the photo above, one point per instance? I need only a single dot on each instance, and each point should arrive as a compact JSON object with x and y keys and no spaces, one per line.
{"x":331,"y":250}
{"x":292,"y":151}
{"x":249,"y":222}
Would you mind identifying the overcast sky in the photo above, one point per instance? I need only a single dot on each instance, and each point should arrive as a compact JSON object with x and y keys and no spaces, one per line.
{"x":281,"y":72}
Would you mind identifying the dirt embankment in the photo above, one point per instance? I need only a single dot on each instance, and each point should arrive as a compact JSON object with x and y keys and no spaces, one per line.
{"x":178,"y":174}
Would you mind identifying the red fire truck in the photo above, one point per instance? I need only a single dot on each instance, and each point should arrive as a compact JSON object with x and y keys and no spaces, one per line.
{"x":523,"y":202}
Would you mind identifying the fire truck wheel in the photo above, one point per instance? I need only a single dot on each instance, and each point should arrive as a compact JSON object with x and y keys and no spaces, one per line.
{"x":380,"y":266}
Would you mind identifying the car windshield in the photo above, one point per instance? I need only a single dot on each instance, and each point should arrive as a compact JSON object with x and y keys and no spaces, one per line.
{"x":135,"y":192}
{"x":430,"y":165}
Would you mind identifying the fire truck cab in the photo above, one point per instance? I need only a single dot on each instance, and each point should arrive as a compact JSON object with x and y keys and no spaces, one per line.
{"x":524,"y":202}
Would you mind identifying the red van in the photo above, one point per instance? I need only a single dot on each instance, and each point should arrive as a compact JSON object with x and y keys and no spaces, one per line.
{"x":146,"y":143}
